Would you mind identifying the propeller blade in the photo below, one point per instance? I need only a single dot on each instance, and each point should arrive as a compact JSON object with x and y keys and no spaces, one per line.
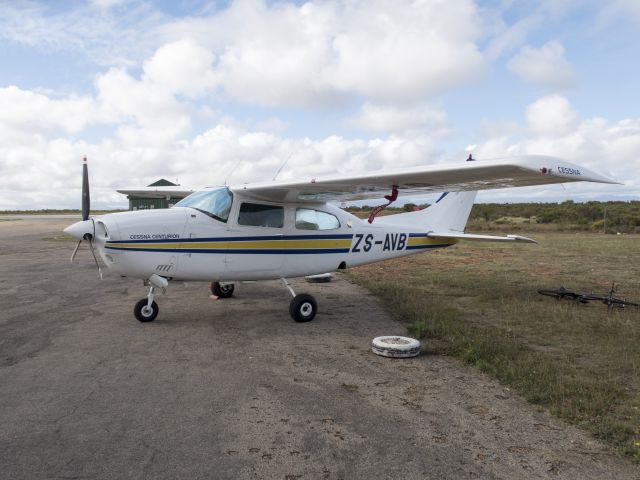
{"x":86,"y":202}
{"x":94,"y":257}
{"x":75,"y":250}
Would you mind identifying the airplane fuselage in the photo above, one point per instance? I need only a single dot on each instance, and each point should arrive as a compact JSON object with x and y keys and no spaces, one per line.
{"x":183,"y":243}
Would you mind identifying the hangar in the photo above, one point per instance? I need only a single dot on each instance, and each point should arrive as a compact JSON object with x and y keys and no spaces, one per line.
{"x":160,"y":194}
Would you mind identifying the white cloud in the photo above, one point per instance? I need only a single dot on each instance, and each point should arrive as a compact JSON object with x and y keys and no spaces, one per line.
{"x":272,"y":125}
{"x":106,"y":4}
{"x":387,"y":118}
{"x":614,"y":9}
{"x":544,"y":66}
{"x":406,"y":52}
{"x":596,"y":143}
{"x":275,"y":54}
{"x":508,"y":38}
{"x":136,"y":155}
{"x":182,"y":67}
{"x":24,"y":109}
{"x":111,"y":37}
{"x":388,"y":56}
{"x":317,"y":53}
{"x":551,"y":116}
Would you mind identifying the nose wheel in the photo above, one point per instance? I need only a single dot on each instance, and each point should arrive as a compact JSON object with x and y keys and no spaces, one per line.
{"x":145,"y":312}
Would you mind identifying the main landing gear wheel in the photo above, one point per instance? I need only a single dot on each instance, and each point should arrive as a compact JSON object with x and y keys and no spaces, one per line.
{"x":303,"y":308}
{"x":222,"y":290}
{"x":144,"y":312}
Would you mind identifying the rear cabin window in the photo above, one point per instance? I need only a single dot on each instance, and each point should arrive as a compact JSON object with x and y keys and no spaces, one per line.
{"x":260,"y":215}
{"x":307,"y":219}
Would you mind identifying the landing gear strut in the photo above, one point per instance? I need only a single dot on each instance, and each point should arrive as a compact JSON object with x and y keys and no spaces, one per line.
{"x":303,"y":307}
{"x":146,"y":310}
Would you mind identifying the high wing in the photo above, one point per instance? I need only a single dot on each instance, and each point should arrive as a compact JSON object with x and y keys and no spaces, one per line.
{"x":155,"y":192}
{"x":477,"y":175}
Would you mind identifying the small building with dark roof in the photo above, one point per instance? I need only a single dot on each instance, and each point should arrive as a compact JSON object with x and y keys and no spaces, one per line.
{"x":160,"y":194}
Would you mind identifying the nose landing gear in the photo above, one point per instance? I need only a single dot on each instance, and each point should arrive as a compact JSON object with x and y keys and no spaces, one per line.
{"x":146,"y":310}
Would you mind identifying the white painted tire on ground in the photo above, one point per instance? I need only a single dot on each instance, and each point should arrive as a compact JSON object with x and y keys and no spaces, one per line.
{"x":396,"y":347}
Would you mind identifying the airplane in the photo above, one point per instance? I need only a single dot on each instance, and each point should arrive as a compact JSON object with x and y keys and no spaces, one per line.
{"x":288,"y":229}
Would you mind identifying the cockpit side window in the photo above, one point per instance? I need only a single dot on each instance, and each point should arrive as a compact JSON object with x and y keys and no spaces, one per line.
{"x":308,"y":219}
{"x":261,"y":215}
{"x":214,"y":202}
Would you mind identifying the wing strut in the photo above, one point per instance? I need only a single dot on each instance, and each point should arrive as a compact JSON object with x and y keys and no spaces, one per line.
{"x":391,"y":198}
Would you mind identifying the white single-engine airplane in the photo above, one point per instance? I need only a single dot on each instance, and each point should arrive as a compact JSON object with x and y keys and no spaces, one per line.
{"x":283,"y":229}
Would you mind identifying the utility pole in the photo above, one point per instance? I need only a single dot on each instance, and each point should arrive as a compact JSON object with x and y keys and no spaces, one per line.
{"x":604,"y":225}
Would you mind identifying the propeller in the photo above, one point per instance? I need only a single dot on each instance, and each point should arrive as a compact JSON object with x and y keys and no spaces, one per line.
{"x":85,"y":229}
{"x":86,"y":200}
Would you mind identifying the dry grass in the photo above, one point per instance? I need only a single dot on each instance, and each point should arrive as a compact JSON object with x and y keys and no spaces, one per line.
{"x":479,"y":302}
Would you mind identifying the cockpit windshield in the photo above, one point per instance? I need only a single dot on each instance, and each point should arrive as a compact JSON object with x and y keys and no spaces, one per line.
{"x":215,"y":202}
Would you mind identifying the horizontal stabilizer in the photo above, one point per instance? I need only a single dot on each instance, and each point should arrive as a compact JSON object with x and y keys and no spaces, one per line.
{"x":481,"y":238}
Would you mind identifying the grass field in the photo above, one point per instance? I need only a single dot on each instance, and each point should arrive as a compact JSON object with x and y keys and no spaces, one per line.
{"x":479,"y":302}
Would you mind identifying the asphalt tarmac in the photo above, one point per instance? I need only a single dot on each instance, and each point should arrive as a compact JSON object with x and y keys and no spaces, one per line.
{"x":234,"y":389}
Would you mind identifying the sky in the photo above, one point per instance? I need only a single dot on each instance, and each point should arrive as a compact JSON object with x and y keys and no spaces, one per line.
{"x":206,"y":93}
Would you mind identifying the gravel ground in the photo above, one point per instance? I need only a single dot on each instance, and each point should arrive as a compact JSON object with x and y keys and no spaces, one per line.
{"x":235,"y":389}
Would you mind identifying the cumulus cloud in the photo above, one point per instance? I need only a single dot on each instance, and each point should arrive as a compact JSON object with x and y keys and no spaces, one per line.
{"x":146,"y":119}
{"x":226,"y":152}
{"x":317,"y":53}
{"x":182,"y":67}
{"x":550,"y":116}
{"x":123,"y":98}
{"x":229,"y":152}
{"x":555,"y":129}
{"x":388,"y":118}
{"x":275,"y":54}
{"x":25,"y":109}
{"x":544,"y":66}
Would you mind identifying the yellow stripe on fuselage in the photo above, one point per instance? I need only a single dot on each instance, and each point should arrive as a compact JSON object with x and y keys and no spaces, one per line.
{"x":239,"y":245}
{"x":424,"y":241}
{"x":289,"y":244}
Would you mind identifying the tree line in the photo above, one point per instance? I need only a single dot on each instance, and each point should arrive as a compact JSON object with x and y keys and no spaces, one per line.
{"x":612,"y":217}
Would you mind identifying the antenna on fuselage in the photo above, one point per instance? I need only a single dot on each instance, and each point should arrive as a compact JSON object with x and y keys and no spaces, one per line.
{"x":282,"y":166}
{"x":233,"y":169}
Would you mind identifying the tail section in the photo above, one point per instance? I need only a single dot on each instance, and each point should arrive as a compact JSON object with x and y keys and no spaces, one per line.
{"x":447,"y":219}
{"x":448,"y":214}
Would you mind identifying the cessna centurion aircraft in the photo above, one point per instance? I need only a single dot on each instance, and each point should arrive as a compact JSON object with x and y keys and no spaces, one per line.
{"x":285,"y":229}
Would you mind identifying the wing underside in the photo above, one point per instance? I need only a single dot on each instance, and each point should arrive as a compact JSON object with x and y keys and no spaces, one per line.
{"x":467,"y":176}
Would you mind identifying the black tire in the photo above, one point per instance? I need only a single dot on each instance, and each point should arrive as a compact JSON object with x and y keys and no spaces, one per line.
{"x":303,"y":308}
{"x":222,"y":291}
{"x":145,"y":314}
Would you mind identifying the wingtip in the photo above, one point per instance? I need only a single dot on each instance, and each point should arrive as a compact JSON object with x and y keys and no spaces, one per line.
{"x":520,"y":238}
